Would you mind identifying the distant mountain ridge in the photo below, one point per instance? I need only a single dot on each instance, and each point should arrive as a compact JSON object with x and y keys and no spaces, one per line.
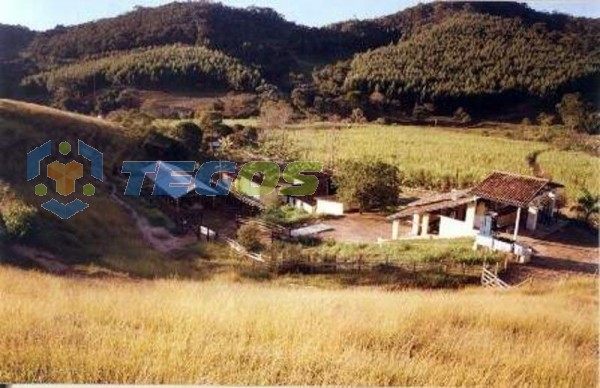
{"x":394,"y":55}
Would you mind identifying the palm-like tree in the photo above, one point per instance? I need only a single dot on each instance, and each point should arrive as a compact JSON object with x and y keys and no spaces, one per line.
{"x":588,"y":204}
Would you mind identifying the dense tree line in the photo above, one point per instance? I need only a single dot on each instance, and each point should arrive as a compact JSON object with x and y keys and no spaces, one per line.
{"x":446,"y":54}
{"x":169,"y":67}
{"x":255,"y":35}
{"x":13,"y":39}
{"x":470,"y":58}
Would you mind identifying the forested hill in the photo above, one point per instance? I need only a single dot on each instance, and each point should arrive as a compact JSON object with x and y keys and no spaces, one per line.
{"x":439,"y":53}
{"x":471,"y":57}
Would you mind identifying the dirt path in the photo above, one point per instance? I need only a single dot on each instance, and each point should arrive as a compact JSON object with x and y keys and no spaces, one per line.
{"x":354,"y":227}
{"x":45,"y":260}
{"x":158,"y":237}
{"x":570,"y":251}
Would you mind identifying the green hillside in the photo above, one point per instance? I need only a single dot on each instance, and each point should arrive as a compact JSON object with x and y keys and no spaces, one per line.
{"x":470,"y":57}
{"x":488,"y":58}
{"x":102,"y":236}
{"x":168,"y":68}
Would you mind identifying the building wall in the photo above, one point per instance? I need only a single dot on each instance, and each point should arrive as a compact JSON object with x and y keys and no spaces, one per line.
{"x":479,"y":214}
{"x":300,"y":204}
{"x":328,"y":207}
{"x":450,"y":227}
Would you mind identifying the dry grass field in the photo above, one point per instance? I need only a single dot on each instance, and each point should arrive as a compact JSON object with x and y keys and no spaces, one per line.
{"x":230,"y":332}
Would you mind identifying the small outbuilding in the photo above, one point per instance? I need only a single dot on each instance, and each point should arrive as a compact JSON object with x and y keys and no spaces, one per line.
{"x":502,"y":201}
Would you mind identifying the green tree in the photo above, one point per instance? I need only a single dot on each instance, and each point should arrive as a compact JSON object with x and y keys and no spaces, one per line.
{"x":16,"y":218}
{"x":189,"y":135}
{"x":588,"y":204}
{"x":573,"y":111}
{"x":369,"y":185}
{"x":275,"y":114}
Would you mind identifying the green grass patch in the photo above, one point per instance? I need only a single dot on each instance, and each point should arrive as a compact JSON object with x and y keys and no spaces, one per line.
{"x":437,"y":159}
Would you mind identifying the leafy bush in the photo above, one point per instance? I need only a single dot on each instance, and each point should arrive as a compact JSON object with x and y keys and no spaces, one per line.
{"x":244,"y":136}
{"x":248,"y":236}
{"x":546,"y":119}
{"x":461,"y":115}
{"x":357,"y":116}
{"x":189,"y":135}
{"x":368,"y":184}
{"x":285,"y":215}
{"x":275,"y":114}
{"x":16,"y":218}
{"x":588,"y":205}
{"x":577,"y":114}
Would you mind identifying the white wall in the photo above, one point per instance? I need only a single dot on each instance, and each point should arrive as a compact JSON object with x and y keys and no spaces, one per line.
{"x":298,"y":203}
{"x":479,"y":214}
{"x":449,"y":227}
{"x":532,"y":215}
{"x":328,"y":207}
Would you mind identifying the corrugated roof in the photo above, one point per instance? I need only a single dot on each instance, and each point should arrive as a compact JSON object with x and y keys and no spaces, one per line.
{"x":455,"y":194}
{"x":434,"y":203}
{"x":511,"y":189}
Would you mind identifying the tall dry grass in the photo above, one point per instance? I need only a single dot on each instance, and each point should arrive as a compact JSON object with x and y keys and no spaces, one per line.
{"x":97,"y":331}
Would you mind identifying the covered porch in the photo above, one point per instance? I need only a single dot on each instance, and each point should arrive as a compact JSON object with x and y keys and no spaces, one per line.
{"x":501,"y":203}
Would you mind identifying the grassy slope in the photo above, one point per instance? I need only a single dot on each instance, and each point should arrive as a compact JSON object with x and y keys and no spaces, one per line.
{"x":429,"y":154}
{"x":69,"y":330}
{"x":103,"y":234}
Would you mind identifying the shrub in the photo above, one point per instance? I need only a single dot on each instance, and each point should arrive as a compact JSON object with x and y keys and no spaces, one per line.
{"x":107,"y":101}
{"x":16,"y":218}
{"x":357,"y":116}
{"x":587,"y":206}
{"x":275,"y":114}
{"x":368,"y":184}
{"x":249,"y":237}
{"x":285,"y":215}
{"x":209,"y":120}
{"x":382,"y":121}
{"x":546,"y":119}
{"x":129,"y":99}
{"x":461,"y":115}
{"x":188,"y":134}
{"x":244,"y":136}
{"x":578,"y":115}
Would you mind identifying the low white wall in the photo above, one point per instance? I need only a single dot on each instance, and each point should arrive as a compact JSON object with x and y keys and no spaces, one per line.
{"x":449,"y":227}
{"x":298,"y":203}
{"x":329,"y":207}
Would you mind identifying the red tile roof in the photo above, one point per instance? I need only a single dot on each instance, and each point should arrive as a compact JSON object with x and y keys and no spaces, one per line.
{"x":511,"y":189}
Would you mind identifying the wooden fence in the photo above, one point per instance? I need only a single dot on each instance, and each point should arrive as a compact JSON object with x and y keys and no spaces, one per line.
{"x":490,"y":279}
{"x":332,"y":265}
